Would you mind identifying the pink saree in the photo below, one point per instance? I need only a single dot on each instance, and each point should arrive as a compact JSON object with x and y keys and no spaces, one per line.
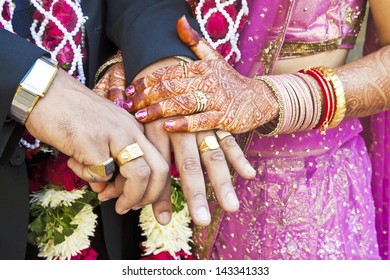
{"x":311,"y":197}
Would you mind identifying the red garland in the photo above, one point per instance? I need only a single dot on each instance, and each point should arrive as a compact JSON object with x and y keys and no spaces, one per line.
{"x":217,"y":25}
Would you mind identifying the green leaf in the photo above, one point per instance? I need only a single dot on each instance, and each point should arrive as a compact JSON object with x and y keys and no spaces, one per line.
{"x":77,"y":206}
{"x":58,"y":237}
{"x":68,"y":231}
{"x":177,"y":196}
{"x":38,"y":225}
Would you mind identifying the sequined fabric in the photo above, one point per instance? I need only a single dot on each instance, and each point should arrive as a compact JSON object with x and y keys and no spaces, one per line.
{"x":317,"y":26}
{"x":303,"y":207}
{"x":311,"y":197}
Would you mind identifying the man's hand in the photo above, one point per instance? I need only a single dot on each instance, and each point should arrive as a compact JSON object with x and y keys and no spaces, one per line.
{"x":90,"y":129}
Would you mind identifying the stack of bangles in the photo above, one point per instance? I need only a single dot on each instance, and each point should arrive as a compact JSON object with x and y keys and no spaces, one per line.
{"x":312,"y":98}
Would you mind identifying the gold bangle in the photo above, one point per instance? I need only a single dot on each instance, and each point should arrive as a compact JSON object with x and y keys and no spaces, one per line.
{"x":115,"y":59}
{"x":270,"y":128}
{"x":338,"y":89}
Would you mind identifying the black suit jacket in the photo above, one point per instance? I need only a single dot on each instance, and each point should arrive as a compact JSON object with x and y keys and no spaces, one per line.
{"x":145,"y":32}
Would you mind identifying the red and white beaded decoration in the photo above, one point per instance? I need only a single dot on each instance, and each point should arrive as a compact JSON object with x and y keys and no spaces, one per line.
{"x":44,"y":27}
{"x":39,"y":28}
{"x":220,"y":22}
{"x":6,"y":12}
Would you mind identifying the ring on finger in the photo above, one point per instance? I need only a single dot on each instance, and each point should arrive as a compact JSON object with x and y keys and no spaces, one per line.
{"x":129,"y":153}
{"x":208,"y":143}
{"x":201,"y":101}
{"x":222,"y":134}
{"x":103,"y":169}
{"x":184,"y":65}
{"x":92,"y":178}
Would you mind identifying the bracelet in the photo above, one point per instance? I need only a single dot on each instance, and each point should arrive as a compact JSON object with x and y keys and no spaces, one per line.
{"x":328,"y":98}
{"x":272,"y":129}
{"x":115,"y":59}
{"x":331,"y":76}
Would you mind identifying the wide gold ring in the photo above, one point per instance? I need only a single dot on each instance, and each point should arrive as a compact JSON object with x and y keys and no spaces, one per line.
{"x":208,"y":143}
{"x":222,"y":134}
{"x":184,"y":65}
{"x":201,"y":101}
{"x":103,"y":169}
{"x":129,"y":153}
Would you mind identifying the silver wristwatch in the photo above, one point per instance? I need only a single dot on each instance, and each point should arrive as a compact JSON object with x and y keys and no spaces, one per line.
{"x":32,"y":87}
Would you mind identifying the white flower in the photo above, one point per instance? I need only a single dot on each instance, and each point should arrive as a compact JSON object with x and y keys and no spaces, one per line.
{"x":170,"y":238}
{"x":53,"y":198}
{"x":73,"y":244}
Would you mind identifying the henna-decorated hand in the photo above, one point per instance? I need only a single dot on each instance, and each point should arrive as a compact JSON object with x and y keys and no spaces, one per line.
{"x":112,"y":85}
{"x":229,"y":101}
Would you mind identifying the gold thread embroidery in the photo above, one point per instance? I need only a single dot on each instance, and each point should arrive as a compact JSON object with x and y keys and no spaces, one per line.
{"x":307,"y":48}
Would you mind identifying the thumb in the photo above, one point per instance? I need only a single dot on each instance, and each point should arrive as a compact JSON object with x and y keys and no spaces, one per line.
{"x":192,"y":39}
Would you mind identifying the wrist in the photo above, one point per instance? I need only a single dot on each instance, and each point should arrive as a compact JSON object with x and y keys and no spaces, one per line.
{"x":32,"y":87}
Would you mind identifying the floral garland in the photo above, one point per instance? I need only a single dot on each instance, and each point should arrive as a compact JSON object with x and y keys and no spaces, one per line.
{"x":220,"y":22}
{"x":172,"y":241}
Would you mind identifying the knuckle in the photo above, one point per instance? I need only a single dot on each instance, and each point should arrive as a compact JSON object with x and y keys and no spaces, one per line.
{"x":164,"y":169}
{"x":216,"y":156}
{"x":198,"y":195}
{"x":190,"y":165}
{"x":142,"y":171}
{"x":229,"y":143}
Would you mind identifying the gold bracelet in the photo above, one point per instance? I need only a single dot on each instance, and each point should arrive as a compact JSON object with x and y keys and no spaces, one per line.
{"x":331,"y":76}
{"x":116,"y":59}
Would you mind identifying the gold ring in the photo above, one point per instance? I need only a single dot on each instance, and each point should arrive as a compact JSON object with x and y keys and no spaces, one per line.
{"x":221,"y":134}
{"x":103,"y":169}
{"x":201,"y":101}
{"x":208,"y":143}
{"x":182,"y":63}
{"x":129,"y":153}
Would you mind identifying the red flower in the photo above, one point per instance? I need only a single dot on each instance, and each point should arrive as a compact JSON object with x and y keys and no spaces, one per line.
{"x":86,"y":254}
{"x":174,"y":171}
{"x":6,"y":13}
{"x":58,"y":173}
{"x":217,"y":26}
{"x":65,"y":56}
{"x":208,"y":4}
{"x":65,"y":14}
{"x":52,"y":36}
{"x":232,"y":11}
{"x":167,"y":256}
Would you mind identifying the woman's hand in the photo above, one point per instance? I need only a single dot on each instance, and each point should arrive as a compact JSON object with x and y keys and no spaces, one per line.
{"x":210,"y":91}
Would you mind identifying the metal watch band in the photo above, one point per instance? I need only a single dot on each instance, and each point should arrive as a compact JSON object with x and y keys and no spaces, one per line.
{"x":33,"y":86}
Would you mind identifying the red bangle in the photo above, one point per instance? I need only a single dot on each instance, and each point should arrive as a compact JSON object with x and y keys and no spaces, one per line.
{"x":329,"y":98}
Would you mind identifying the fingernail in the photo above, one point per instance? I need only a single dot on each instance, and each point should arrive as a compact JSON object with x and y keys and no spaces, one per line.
{"x":104,"y":199}
{"x":250,"y":169}
{"x":202,"y":214}
{"x":164,"y":218}
{"x":124,"y":212}
{"x":170,"y":124}
{"x":141,"y":114}
{"x":119,"y":103}
{"x":127,"y":105}
{"x":231,"y":199}
{"x":130,"y":91}
{"x":135,"y":208}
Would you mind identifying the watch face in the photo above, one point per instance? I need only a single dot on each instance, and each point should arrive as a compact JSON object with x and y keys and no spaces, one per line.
{"x":211,"y":142}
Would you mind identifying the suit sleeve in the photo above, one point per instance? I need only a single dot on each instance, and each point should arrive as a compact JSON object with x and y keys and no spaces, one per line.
{"x":145,"y":31}
{"x":16,"y":58}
